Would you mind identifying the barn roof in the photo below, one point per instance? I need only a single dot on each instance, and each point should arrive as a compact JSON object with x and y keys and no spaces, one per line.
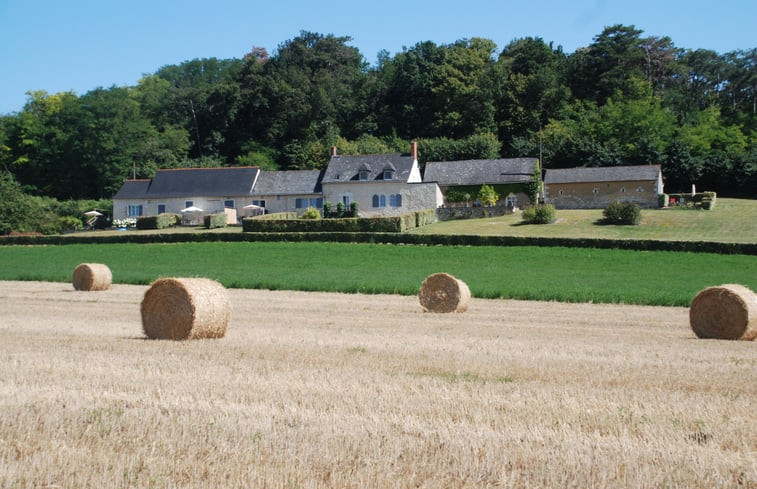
{"x":603,"y":174}
{"x":192,"y":182}
{"x":293,"y":182}
{"x":479,"y":172}
{"x":133,"y":189}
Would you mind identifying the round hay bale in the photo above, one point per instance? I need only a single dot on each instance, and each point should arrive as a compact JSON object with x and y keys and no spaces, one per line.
{"x":185,"y":308}
{"x":92,"y":276}
{"x":442,"y":292}
{"x":727,"y":312}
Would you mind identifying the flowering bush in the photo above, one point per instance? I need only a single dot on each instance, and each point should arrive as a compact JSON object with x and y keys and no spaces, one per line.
{"x":129,"y":222}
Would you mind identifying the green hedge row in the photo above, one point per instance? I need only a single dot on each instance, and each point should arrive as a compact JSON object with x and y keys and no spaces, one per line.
{"x":344,"y":225}
{"x":394,"y":224}
{"x":212,"y":221}
{"x":161,"y":221}
{"x":393,"y":238}
{"x":274,"y":216}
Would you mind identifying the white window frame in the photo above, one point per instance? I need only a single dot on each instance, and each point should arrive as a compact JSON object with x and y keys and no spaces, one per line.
{"x":134,"y":210}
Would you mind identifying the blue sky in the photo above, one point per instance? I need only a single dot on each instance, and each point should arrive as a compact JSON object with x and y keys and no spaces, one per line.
{"x":78,"y":45}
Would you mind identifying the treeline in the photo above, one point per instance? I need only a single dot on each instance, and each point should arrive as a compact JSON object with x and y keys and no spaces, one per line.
{"x":625,"y":99}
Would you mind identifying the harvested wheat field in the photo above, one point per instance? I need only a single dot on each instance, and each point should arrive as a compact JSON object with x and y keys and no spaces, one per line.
{"x":314,"y":390}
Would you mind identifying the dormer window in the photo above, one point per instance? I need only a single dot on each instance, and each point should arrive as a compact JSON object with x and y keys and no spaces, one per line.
{"x":388,"y":172}
{"x":364,"y":172}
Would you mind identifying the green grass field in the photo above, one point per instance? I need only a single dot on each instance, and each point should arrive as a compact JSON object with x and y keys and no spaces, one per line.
{"x":732,"y":221}
{"x":563,"y":274}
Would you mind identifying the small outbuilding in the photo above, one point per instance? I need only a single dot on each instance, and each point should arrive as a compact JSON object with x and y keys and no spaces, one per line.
{"x":597,"y":187}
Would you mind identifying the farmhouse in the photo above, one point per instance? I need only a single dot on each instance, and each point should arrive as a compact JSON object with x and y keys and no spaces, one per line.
{"x":509,"y":177}
{"x":381,"y":185}
{"x":288,"y":191}
{"x":210,"y":189}
{"x":596,"y":188}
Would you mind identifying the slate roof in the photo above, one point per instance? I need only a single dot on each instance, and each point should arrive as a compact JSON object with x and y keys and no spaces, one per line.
{"x":346,"y":168}
{"x":479,"y":172}
{"x":603,"y":174}
{"x":192,"y":182}
{"x":294,"y":182}
{"x":133,"y":189}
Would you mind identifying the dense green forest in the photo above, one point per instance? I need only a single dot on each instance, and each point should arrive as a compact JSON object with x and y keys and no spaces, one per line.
{"x":626,"y":98}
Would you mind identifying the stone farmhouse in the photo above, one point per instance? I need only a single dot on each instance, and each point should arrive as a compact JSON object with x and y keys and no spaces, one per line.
{"x":382,"y":185}
{"x":508,"y":176}
{"x":288,"y":191}
{"x":596,"y":188}
{"x":171,"y":191}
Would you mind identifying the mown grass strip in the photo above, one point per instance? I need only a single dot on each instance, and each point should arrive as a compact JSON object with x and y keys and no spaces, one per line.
{"x":535,"y":273}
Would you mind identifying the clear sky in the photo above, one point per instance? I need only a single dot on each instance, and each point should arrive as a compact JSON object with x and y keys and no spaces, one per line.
{"x":79,"y":45}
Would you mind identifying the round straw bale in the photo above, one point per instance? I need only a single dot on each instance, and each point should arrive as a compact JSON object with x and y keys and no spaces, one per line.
{"x":92,"y":276}
{"x":442,"y":292}
{"x":727,"y":312}
{"x":185,"y":308}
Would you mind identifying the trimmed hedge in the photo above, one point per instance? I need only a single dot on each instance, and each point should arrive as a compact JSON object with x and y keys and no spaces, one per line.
{"x":274,"y":216}
{"x":212,"y":221}
{"x":393,"y":224}
{"x":393,"y":238}
{"x":350,"y":224}
{"x":161,"y":221}
{"x":424,"y":218}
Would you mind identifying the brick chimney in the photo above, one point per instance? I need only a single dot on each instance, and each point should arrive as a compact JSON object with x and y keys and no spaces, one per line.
{"x":333,"y":151}
{"x":414,"y":150}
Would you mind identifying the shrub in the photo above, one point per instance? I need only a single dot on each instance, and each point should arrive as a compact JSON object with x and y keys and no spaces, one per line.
{"x":626,"y":213}
{"x":70,"y":223}
{"x":212,"y":221}
{"x":161,"y":221}
{"x":274,"y":216}
{"x":487,"y":195}
{"x":539,"y":214}
{"x":663,"y":200}
{"x":311,"y":213}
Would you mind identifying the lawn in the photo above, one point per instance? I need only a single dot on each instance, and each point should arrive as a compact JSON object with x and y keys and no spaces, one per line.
{"x":537,"y":273}
{"x":732,"y":221}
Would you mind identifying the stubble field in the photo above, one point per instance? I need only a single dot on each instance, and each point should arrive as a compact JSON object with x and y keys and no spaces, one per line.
{"x":333,"y":390}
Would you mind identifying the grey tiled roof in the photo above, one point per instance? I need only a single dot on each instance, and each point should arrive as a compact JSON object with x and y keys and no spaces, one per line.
{"x":295,"y":182}
{"x":133,"y":189}
{"x":205,"y":182}
{"x":603,"y":174}
{"x":345,"y":168}
{"x":479,"y":172}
